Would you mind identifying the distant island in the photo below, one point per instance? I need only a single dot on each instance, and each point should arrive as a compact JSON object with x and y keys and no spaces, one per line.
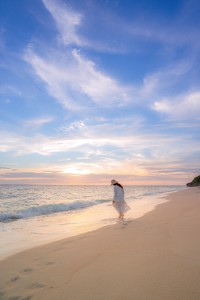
{"x":194,"y":182}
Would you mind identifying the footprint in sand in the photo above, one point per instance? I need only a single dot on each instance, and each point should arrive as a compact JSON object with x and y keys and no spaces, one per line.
{"x":19,"y":298}
{"x":14,"y":279}
{"x":58,"y":249}
{"x":50,"y":263}
{"x":37,"y":285}
{"x":27,"y":270}
{"x":27,"y":298}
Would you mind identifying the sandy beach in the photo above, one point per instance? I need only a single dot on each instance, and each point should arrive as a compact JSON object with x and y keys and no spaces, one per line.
{"x":153,"y":257}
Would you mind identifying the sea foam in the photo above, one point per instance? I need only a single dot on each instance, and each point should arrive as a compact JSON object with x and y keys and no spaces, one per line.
{"x":47,"y":209}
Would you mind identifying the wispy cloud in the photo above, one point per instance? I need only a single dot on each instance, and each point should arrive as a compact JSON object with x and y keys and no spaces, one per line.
{"x":45,"y":146}
{"x":74,"y":27}
{"x":67,"y":20}
{"x":160,"y":81}
{"x":36,"y":123}
{"x":107,"y":127}
{"x":76,"y":81}
{"x":141,"y":155}
{"x":9,"y":89}
{"x":186,"y":106}
{"x":138,"y":147}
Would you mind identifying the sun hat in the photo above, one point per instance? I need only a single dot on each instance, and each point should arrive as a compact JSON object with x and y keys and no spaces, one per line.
{"x":113,"y":181}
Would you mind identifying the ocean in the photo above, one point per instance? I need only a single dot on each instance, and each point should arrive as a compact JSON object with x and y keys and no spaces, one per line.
{"x":32,"y":215}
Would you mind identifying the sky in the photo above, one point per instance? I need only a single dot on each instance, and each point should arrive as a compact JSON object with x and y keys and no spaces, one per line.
{"x":99,"y":89}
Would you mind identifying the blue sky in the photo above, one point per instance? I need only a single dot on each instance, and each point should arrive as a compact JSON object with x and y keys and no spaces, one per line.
{"x":94,"y":90}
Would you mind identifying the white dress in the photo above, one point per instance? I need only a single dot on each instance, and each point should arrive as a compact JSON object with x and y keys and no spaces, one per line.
{"x":119,"y":203}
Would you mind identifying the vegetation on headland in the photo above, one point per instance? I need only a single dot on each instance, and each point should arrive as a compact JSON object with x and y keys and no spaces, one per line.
{"x":194,"y":182}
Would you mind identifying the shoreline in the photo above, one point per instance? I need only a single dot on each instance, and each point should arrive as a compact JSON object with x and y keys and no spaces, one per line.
{"x":38,"y":232}
{"x":153,"y":257}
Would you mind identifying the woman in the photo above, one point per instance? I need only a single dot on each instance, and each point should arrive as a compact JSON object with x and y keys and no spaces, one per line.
{"x":118,"y":199}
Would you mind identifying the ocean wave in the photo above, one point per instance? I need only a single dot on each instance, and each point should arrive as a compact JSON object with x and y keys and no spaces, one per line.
{"x":47,"y":209}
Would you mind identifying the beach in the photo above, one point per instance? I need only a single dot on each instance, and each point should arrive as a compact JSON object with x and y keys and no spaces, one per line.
{"x":156,"y":256}
{"x":34,"y":215}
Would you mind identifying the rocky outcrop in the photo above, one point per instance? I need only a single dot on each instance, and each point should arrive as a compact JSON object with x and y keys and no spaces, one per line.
{"x":194,"y":182}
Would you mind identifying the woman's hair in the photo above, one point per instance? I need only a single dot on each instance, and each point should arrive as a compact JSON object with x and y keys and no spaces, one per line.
{"x":117,"y":183}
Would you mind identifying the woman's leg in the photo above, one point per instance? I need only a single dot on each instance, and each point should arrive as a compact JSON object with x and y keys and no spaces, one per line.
{"x":121,"y":216}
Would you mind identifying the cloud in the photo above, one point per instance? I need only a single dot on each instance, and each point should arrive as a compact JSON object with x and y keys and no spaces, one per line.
{"x":180,"y":107}
{"x":11,"y":90}
{"x":38,"y":122}
{"x":99,"y":87}
{"x":55,"y":76}
{"x":106,"y":127}
{"x":83,"y":140}
{"x":76,"y":29}
{"x":159,"y":82}
{"x":45,"y":146}
{"x":5,"y":168}
{"x":76,"y":82}
{"x":139,"y":154}
{"x":27,"y":175}
{"x":67,"y":21}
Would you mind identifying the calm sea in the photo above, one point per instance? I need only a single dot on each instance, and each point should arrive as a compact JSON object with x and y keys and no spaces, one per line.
{"x":33,"y":215}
